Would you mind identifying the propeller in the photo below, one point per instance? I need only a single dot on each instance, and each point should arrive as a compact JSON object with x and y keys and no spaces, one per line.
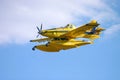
{"x":39,"y":30}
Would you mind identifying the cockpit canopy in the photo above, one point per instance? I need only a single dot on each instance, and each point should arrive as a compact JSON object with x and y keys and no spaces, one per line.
{"x":70,"y":26}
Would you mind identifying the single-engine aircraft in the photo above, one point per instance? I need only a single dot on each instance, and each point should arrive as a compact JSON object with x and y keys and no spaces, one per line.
{"x":67,"y":37}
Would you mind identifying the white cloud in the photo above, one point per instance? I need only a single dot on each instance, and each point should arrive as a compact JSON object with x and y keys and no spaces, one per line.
{"x":18,"y":18}
{"x":112,"y":31}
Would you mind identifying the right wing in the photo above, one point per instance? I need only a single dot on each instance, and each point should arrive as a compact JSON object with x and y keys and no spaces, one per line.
{"x":80,"y":31}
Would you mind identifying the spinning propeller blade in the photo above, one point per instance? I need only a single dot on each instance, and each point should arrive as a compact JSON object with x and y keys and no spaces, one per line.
{"x":39,"y":30}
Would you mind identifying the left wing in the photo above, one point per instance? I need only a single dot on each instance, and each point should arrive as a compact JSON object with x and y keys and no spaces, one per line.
{"x":80,"y":31}
{"x":40,"y":40}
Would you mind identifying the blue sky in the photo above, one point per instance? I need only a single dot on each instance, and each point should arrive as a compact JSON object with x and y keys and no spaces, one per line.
{"x":18,"y":21}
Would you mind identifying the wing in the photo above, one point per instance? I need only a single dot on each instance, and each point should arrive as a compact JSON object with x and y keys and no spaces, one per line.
{"x":40,"y":40}
{"x":80,"y":31}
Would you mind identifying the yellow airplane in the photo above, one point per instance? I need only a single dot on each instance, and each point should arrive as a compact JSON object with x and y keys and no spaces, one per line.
{"x":67,"y":37}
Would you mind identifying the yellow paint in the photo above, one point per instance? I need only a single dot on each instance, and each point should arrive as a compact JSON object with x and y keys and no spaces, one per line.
{"x":56,"y":46}
{"x":64,"y":38}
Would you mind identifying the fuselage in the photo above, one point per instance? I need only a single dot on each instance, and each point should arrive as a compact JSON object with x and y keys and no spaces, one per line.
{"x":57,"y":32}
